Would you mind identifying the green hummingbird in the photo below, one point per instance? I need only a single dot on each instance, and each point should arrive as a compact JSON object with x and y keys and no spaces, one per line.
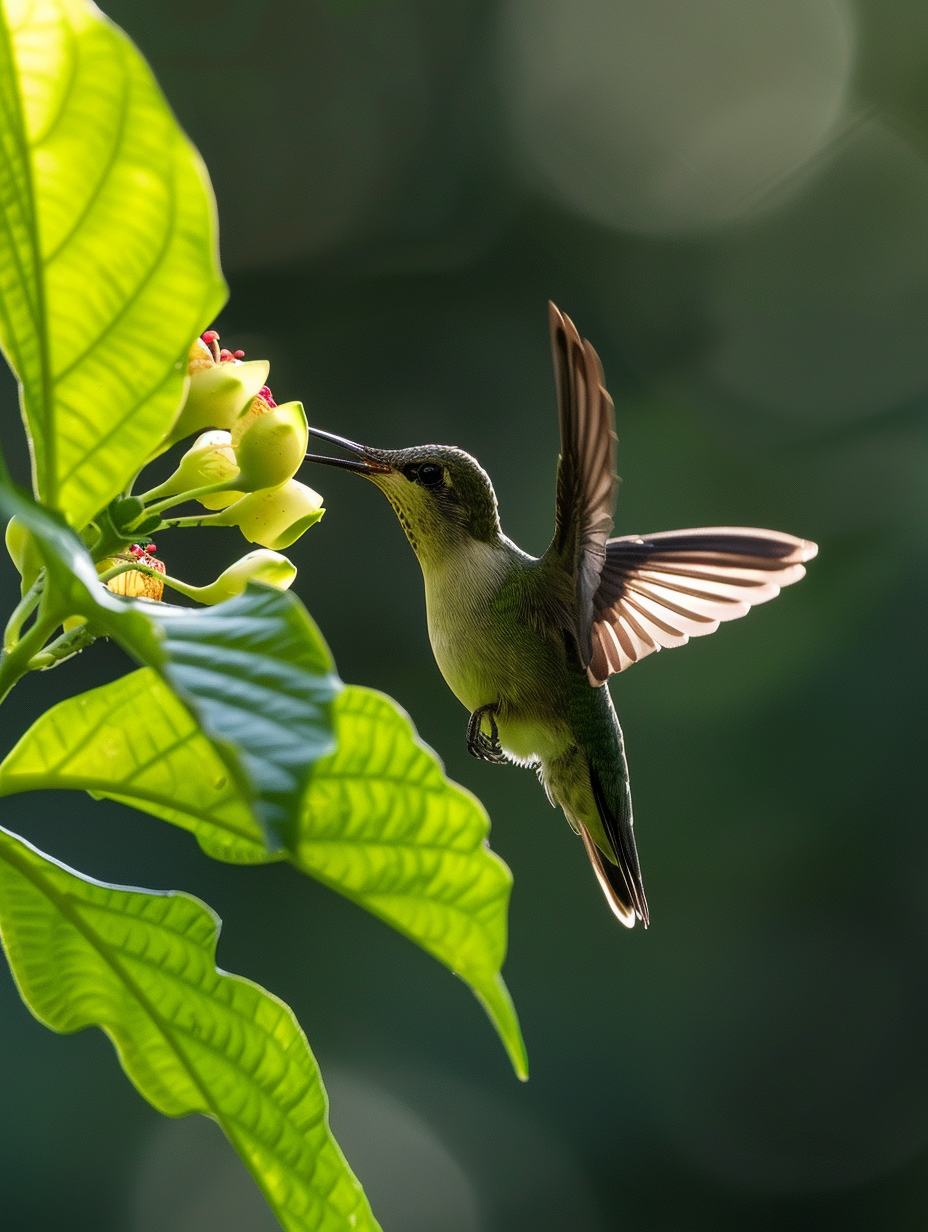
{"x":527,"y":643}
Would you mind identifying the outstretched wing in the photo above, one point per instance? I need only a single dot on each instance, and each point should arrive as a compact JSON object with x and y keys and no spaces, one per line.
{"x":661,"y":590}
{"x":586,"y":479}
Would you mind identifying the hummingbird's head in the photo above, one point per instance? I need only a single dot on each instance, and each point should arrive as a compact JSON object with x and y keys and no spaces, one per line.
{"x":441,"y":495}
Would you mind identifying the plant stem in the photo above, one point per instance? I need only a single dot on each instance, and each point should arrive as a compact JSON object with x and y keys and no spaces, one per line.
{"x":14,"y":663}
{"x":153,"y":493}
{"x":181,"y":498}
{"x":138,"y":567}
{"x":22,"y":611}
{"x":70,"y":643}
{"x":206,"y":519}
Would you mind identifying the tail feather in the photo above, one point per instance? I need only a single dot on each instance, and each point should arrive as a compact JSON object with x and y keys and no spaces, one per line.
{"x":621,"y":882}
{"x":611,"y":882}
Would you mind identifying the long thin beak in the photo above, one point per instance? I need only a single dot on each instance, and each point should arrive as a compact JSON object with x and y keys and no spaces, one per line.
{"x":366,"y":464}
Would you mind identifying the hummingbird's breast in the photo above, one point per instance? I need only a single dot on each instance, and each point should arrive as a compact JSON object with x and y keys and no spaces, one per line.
{"x":493,"y":644}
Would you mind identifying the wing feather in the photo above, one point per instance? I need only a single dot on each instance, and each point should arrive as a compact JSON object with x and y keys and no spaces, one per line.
{"x":658,"y":591}
{"x":586,"y":479}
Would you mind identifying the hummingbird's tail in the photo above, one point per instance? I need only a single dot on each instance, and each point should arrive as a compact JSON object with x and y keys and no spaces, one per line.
{"x":589,"y":780}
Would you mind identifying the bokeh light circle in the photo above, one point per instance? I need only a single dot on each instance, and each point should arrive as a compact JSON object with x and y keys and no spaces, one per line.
{"x":670,"y":116}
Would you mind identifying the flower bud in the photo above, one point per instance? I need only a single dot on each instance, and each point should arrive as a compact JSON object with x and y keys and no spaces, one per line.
{"x":210,"y":459}
{"x":261,"y":566}
{"x":134,"y":583}
{"x":24,"y":552}
{"x":274,"y":517}
{"x":273,"y":447}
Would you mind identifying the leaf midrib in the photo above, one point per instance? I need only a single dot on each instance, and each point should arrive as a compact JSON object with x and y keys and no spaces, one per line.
{"x":106,"y":787}
{"x":117,"y":427}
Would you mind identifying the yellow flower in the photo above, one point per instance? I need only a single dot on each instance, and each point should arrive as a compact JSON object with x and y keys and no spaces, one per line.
{"x":272,"y":448}
{"x":210,"y":459}
{"x":221,"y":386}
{"x":274,"y":517}
{"x":260,"y":566}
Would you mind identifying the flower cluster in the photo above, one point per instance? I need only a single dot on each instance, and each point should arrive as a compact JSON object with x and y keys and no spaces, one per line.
{"x":240,"y":468}
{"x":244,"y":464}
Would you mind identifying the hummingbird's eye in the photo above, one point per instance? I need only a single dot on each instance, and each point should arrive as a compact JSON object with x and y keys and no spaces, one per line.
{"x":430,"y":474}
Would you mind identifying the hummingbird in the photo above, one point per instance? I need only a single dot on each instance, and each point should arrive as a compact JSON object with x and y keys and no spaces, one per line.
{"x":527,"y":643}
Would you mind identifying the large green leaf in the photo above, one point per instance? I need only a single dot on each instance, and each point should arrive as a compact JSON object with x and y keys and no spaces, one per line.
{"x":142,"y":966}
{"x":379,"y":821}
{"x":108,"y":260}
{"x":254,"y":672}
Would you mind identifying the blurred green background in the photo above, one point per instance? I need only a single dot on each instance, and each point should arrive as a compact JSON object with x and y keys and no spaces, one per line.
{"x":731,"y":201}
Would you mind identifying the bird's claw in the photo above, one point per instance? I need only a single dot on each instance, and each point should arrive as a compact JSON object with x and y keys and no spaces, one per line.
{"x":485,"y":748}
{"x":488,"y":750}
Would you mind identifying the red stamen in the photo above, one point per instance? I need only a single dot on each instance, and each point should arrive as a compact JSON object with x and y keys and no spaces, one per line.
{"x":265,"y":393}
{"x":238,"y":354}
{"x":211,"y":341}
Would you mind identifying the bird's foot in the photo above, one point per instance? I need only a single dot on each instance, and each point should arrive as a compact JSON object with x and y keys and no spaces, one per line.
{"x":485,"y":748}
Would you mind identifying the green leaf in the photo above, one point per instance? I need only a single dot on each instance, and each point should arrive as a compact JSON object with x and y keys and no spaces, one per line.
{"x":191,"y":1038}
{"x":108,"y":257}
{"x":379,"y":822}
{"x":254,"y":671}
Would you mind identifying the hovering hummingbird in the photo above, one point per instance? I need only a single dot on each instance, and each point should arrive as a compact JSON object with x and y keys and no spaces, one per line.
{"x":527,"y":643}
